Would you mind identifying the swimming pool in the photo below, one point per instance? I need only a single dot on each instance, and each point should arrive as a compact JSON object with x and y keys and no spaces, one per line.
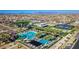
{"x":43,"y":41}
{"x":30,"y":35}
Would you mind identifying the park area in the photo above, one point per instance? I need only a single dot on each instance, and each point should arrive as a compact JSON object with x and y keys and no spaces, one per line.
{"x":41,"y":36}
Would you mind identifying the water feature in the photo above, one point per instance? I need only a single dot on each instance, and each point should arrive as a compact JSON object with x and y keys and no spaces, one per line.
{"x":30,"y":35}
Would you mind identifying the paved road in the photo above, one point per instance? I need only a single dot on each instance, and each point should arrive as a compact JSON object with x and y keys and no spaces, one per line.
{"x":62,"y":43}
{"x":59,"y":43}
{"x":76,"y":46}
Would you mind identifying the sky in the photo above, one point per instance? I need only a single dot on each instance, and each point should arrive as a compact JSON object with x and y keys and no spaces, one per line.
{"x":39,"y":11}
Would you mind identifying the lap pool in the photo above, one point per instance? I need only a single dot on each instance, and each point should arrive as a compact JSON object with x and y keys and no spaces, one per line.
{"x":43,"y":41}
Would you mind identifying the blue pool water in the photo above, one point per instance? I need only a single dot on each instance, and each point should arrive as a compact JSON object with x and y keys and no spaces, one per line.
{"x":43,"y":41}
{"x":29,"y":35}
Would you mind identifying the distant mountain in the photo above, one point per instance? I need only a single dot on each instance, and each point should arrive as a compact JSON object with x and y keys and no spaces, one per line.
{"x":39,"y":11}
